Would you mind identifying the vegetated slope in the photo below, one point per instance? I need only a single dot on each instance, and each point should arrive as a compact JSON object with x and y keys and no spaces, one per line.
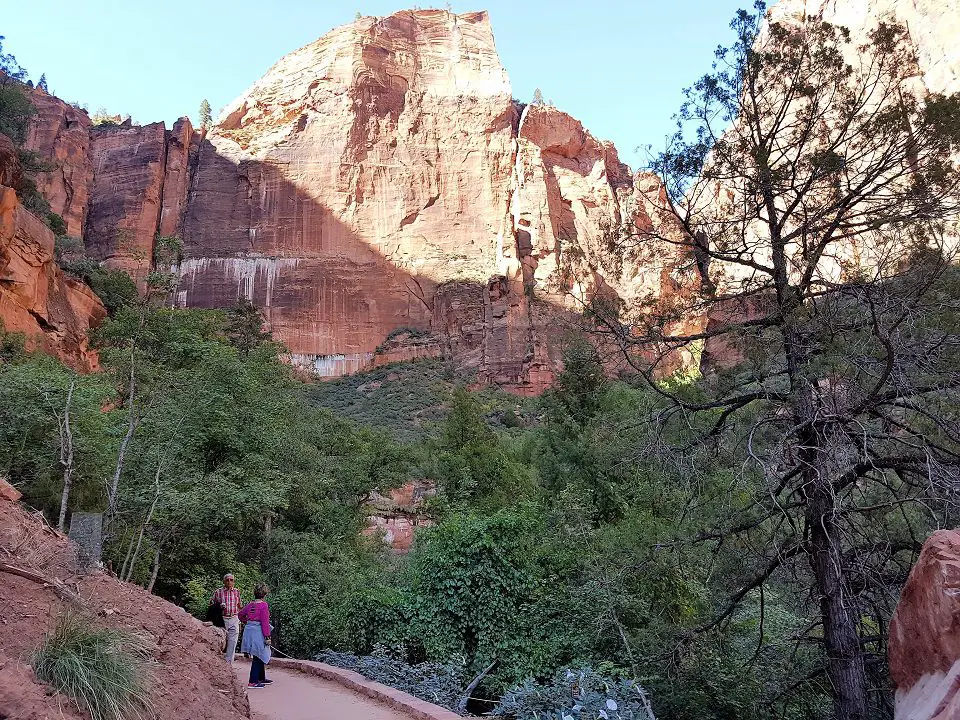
{"x":407,"y":400}
{"x":189,"y":680}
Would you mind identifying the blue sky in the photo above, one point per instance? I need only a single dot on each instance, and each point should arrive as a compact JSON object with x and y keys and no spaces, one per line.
{"x":618,"y":66}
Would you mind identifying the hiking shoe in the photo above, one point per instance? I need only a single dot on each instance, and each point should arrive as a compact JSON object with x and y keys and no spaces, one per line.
{"x":254,"y":685}
{"x":267,"y":682}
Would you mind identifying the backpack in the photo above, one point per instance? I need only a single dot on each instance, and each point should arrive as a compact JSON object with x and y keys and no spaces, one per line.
{"x":215,"y":614}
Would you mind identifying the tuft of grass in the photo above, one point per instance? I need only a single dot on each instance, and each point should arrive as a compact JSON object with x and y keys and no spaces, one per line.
{"x":103,"y":670}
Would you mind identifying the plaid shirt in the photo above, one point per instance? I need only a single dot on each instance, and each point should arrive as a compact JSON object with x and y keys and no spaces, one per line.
{"x":230,"y":599}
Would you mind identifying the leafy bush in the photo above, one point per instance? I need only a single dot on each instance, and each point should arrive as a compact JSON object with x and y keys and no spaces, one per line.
{"x":15,"y":111}
{"x":439,"y":683}
{"x":576,"y":695}
{"x":56,"y":223}
{"x":103,"y":670}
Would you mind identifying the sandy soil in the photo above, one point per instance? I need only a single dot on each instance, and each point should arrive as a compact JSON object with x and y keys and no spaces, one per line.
{"x":296,"y":696}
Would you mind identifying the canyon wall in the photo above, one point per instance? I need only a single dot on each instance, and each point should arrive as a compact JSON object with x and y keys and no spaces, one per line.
{"x":53,"y":310}
{"x":383,"y":177}
{"x":381,"y":196}
{"x":59,"y":133}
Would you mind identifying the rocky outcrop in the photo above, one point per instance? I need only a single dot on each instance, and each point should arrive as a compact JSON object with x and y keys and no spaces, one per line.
{"x":395,"y":515}
{"x":924,"y":647}
{"x":181,"y":142}
{"x":53,"y":310}
{"x":124,"y":214}
{"x":60,"y":134}
{"x":934,"y":26}
{"x":382,"y":177}
{"x":11,"y":172}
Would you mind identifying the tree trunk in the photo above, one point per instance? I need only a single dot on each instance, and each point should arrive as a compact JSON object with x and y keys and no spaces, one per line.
{"x":156,"y":569}
{"x":146,"y":522}
{"x":845,"y":666}
{"x":121,"y":454}
{"x":66,"y":456}
{"x":126,"y":560}
{"x":838,"y":610}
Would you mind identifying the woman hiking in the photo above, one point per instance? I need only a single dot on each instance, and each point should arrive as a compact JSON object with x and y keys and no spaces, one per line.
{"x":256,"y":636}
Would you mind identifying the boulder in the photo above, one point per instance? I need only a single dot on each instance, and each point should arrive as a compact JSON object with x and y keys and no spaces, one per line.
{"x":924,"y":647}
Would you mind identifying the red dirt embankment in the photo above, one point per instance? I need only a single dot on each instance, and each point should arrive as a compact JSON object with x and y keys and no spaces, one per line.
{"x":189,"y":680}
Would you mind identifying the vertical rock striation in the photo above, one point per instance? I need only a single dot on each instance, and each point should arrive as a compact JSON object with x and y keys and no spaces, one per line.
{"x":361,"y":172}
{"x":60,"y":134}
{"x":381,"y":177}
{"x":124,"y":215}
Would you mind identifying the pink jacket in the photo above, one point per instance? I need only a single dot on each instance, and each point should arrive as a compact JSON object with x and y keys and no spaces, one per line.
{"x":257,"y":611}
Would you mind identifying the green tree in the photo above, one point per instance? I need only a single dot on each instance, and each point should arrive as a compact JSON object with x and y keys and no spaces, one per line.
{"x":204,"y":114}
{"x":845,"y":402}
{"x":245,"y":327}
{"x":9,"y":67}
{"x":537,"y":97}
{"x":470,"y":463}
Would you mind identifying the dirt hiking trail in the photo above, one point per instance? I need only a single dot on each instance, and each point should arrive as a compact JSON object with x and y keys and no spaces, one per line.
{"x":297,"y":696}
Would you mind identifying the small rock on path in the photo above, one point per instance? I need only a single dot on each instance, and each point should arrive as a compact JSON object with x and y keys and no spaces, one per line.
{"x":298,"y":696}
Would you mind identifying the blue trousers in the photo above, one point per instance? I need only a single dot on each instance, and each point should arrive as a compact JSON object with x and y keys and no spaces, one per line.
{"x":258,"y":671}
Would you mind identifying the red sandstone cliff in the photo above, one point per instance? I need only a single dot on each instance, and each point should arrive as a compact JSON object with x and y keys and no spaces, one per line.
{"x":382,"y":177}
{"x":60,"y":134}
{"x":377,"y":179}
{"x":924,"y":646}
{"x":52,"y":309}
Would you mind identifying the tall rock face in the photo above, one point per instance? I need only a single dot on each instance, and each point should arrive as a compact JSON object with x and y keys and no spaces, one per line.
{"x":60,"y":134}
{"x":382,"y":177}
{"x":361,"y":172}
{"x":934,"y":26}
{"x":124,"y":214}
{"x":54,"y":311}
{"x":924,"y":647}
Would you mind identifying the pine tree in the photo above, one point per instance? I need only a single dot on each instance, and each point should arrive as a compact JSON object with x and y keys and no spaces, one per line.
{"x":537,"y":97}
{"x":244,"y":327}
{"x":206,"y":119}
{"x":42,"y":83}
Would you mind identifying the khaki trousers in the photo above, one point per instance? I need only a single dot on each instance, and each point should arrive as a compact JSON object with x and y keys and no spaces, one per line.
{"x":232,"y":626}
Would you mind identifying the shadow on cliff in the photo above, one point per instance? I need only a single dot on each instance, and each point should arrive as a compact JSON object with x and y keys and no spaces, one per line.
{"x":331,"y":296}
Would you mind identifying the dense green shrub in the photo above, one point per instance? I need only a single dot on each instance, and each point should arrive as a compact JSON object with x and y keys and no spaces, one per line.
{"x":15,"y":111}
{"x":104,"y":671}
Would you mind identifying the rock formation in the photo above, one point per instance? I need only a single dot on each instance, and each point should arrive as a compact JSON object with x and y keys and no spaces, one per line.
{"x":381,"y":196}
{"x":934,"y":26}
{"x":53,"y":310}
{"x":383,"y":177}
{"x":395,"y":516}
{"x":124,"y":213}
{"x":924,"y":648}
{"x":60,"y":134}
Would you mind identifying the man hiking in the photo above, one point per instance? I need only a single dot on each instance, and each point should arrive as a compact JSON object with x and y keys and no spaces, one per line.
{"x":228,"y":599}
